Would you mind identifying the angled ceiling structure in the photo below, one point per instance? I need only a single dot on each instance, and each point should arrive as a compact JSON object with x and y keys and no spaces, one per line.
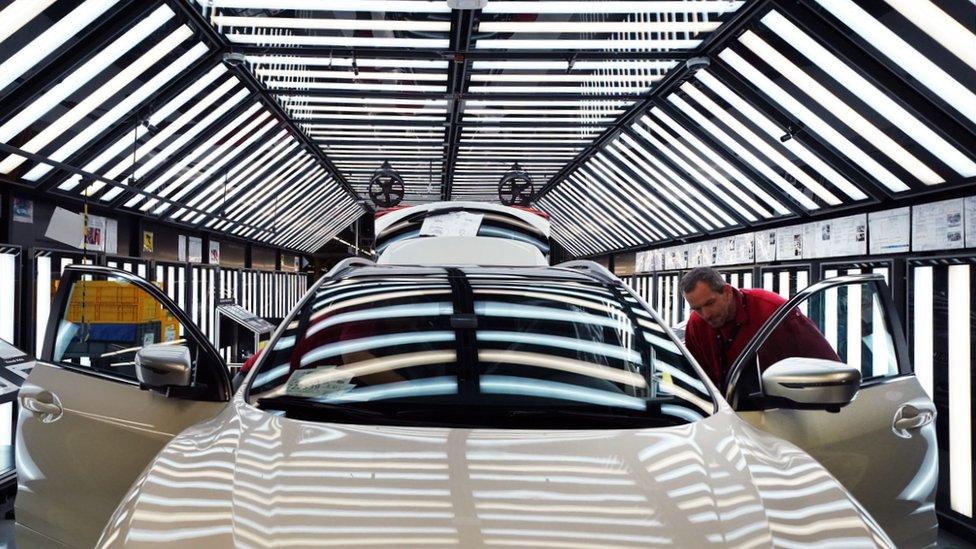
{"x":129,"y":105}
{"x":641,"y":122}
{"x":806,"y":108}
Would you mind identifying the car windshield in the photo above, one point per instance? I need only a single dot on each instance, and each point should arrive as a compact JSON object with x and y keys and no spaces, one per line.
{"x":471,"y":347}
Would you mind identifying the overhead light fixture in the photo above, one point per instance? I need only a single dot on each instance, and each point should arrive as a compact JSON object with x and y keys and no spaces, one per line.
{"x":234,"y":59}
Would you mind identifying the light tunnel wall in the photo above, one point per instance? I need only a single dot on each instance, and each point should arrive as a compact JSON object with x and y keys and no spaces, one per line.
{"x":936,"y":301}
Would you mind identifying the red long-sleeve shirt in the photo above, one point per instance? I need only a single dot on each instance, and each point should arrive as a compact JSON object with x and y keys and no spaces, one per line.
{"x":717,"y":350}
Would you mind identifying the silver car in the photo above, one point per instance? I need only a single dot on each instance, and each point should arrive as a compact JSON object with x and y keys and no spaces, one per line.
{"x":468,"y":406}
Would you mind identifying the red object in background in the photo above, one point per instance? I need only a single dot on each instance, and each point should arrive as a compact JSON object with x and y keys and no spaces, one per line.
{"x":250,"y":361}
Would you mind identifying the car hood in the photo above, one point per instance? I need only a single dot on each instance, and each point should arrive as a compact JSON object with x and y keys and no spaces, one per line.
{"x":249,"y":478}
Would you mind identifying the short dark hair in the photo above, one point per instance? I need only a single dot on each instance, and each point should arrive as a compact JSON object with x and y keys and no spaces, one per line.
{"x":707,"y":275}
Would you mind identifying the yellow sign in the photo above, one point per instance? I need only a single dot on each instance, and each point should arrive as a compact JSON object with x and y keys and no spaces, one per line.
{"x":147,"y":241}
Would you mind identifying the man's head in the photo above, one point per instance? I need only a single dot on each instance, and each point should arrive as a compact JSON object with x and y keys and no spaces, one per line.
{"x":709,"y":296}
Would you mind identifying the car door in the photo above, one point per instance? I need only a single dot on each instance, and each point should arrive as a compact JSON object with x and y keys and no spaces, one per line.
{"x":882,"y":445}
{"x":86,"y":428}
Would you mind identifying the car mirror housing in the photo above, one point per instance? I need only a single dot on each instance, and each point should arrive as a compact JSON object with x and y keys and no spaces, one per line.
{"x":162,"y":367}
{"x":811,"y":383}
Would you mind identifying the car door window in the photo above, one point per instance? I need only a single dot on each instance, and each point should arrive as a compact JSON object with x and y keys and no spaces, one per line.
{"x":106,"y":320}
{"x":847,"y":323}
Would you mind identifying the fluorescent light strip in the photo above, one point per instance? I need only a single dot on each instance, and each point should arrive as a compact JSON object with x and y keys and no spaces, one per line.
{"x":398,"y":6}
{"x":583,"y":226}
{"x":903,"y":55}
{"x":573,"y":77}
{"x":600,"y":123}
{"x":625,"y":7}
{"x":331,"y":24}
{"x":596,"y":103}
{"x":814,"y":122}
{"x":670,"y":220}
{"x":743,"y":153}
{"x":17,"y":14}
{"x":119,"y":109}
{"x":774,"y":132}
{"x":622,"y":65}
{"x":842,"y":111}
{"x":922,"y":327}
{"x":369,"y":117}
{"x":339,"y":41}
{"x":712,"y":172}
{"x":287,"y":84}
{"x":942,"y":27}
{"x":960,"y":390}
{"x":85,"y":107}
{"x":182,"y":140}
{"x":217,"y":158}
{"x":632,"y":226}
{"x":596,"y":27}
{"x":307,"y":61}
{"x":51,"y":39}
{"x":298,"y":110}
{"x":83,"y":74}
{"x":289,"y":99}
{"x":679,"y":188}
{"x":602,"y":45}
{"x":167,"y":132}
{"x":349,"y":75}
{"x":728,"y":168}
{"x":767,"y":150}
{"x":871,"y":95}
{"x":559,"y":89}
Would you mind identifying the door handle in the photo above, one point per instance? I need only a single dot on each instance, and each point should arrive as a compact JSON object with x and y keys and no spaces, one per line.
{"x":911,"y":418}
{"x":45,"y":411}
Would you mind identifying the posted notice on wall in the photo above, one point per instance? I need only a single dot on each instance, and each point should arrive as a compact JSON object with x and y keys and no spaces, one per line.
{"x":971,"y":222}
{"x":111,"y":236}
{"x":66,"y":227}
{"x":181,"y":248}
{"x":214,"y":253}
{"x":700,"y":255}
{"x":938,"y":226}
{"x":838,"y":237}
{"x":452,"y":224}
{"x":765,"y":245}
{"x":642,"y":262}
{"x":890,"y":231}
{"x":195,"y":249}
{"x":735,"y":250}
{"x":789,"y":243}
{"x":676,"y":258}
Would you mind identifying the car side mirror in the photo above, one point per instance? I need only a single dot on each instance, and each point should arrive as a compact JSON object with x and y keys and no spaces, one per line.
{"x":811,"y":383}
{"x":163,"y":367}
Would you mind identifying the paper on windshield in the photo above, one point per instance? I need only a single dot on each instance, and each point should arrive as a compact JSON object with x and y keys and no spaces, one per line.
{"x":317,"y":382}
{"x":452,"y":224}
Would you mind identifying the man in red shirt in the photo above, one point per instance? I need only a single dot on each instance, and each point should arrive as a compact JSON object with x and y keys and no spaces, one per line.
{"x":724,"y":319}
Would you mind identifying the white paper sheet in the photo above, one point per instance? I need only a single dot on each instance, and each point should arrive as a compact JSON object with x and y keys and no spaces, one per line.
{"x":181,"y":248}
{"x":971,"y":222}
{"x":789,"y":243}
{"x":890,"y":231}
{"x":765,"y":246}
{"x":112,"y":236}
{"x":214,"y":253}
{"x":66,"y":227}
{"x":938,"y":226}
{"x":94,"y":240}
{"x":195,"y":246}
{"x":452,"y":224}
{"x":839,"y":237}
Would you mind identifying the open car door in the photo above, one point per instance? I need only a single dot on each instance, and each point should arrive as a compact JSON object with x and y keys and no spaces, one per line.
{"x":122,"y":371}
{"x":882,"y":445}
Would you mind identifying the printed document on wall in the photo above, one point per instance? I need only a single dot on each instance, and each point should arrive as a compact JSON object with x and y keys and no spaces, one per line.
{"x":937,"y":226}
{"x":890,"y":231}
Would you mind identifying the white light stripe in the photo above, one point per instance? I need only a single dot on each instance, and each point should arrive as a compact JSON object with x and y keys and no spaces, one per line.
{"x":346,"y":41}
{"x":18,"y":14}
{"x":119,"y":109}
{"x":51,"y":39}
{"x":105,"y":92}
{"x":905,"y":56}
{"x":325,"y":24}
{"x":563,"y":364}
{"x":585,"y":27}
{"x":871,"y":95}
{"x":349,"y":75}
{"x":960,"y":405}
{"x":922,"y":326}
{"x":399,"y":6}
{"x":82,"y":75}
{"x":941,"y":27}
{"x":309,"y":61}
{"x":841,"y":110}
{"x":512,"y":385}
{"x":775,"y":132}
{"x":518,"y":44}
{"x":626,"y":7}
